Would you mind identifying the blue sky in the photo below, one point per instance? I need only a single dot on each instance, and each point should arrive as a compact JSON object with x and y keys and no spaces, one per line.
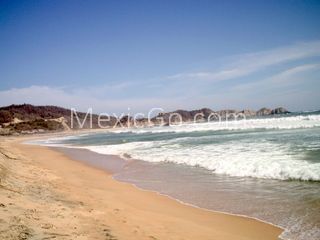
{"x":115,"y":55}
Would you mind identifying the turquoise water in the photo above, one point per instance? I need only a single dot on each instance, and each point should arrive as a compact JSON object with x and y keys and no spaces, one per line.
{"x":267,"y":168}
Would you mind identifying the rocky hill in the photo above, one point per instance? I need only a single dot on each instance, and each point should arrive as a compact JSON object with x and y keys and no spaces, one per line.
{"x":27,"y":118}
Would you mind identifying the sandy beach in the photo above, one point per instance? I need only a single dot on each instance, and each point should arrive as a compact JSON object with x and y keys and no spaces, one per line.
{"x":46,"y":195}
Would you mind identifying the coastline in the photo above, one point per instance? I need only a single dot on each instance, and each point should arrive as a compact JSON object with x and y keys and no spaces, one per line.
{"x":120,"y":210}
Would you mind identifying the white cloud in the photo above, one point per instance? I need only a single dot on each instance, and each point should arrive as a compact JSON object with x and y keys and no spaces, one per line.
{"x":289,"y":88}
{"x":243,"y":65}
{"x":288,"y":77}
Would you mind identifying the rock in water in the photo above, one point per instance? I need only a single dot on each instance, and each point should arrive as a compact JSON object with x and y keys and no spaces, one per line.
{"x":264,"y":112}
{"x":279,"y":110}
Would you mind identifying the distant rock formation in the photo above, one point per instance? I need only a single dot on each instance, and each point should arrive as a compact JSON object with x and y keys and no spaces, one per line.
{"x":249,"y":113}
{"x":279,"y":110}
{"x":205,"y":114}
{"x":186,"y":116}
{"x":267,"y":111}
{"x":263,"y":112}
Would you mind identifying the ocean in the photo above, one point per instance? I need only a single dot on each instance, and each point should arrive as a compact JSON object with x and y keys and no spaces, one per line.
{"x":265,"y":168}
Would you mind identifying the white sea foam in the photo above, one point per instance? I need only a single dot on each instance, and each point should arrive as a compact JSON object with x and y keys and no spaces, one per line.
{"x":261,"y":160}
{"x":57,"y":141}
{"x":286,"y":122}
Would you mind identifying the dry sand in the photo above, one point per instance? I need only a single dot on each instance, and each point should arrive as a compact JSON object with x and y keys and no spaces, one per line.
{"x":46,"y":195}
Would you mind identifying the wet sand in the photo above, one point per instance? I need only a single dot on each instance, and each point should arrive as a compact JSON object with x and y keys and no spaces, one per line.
{"x":45,"y":194}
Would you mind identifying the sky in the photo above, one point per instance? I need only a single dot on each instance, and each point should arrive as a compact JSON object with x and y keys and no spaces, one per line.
{"x":131,"y":56}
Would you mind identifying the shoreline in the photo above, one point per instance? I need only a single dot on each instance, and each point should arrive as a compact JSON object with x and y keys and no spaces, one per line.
{"x":196,"y":222}
{"x":74,"y":149}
